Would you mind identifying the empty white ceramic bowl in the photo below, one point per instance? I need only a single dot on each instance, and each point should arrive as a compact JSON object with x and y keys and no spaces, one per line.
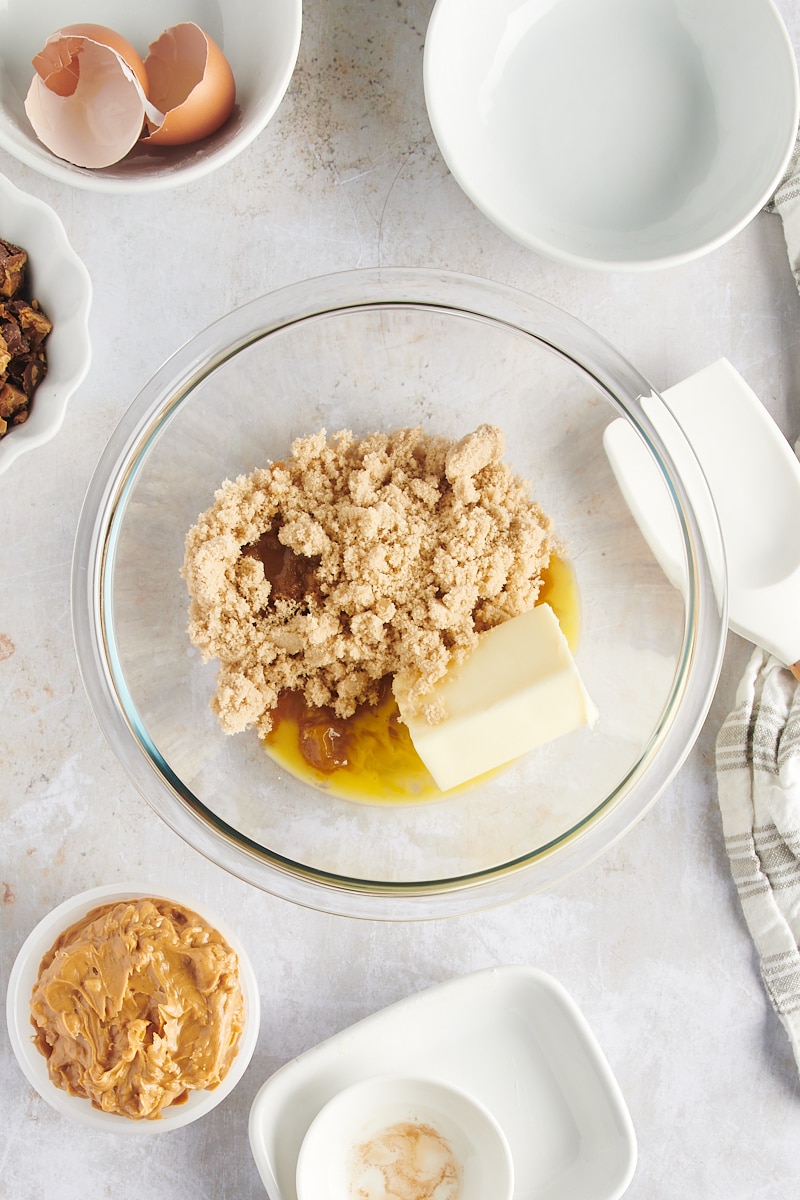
{"x":57,"y":278}
{"x":396,"y":1136}
{"x":260,"y":41}
{"x":616,"y":134}
{"x":23,"y":977}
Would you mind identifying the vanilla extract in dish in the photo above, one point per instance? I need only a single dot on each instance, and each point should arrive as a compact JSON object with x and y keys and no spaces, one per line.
{"x":292,"y":576}
{"x":407,"y":1161}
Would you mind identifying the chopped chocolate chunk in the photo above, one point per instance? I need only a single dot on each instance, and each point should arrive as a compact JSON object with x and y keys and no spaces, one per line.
{"x":14,"y":338}
{"x":12,"y":400}
{"x":28,"y":373}
{"x":13,"y":261}
{"x":23,"y":330}
{"x":32,"y":321}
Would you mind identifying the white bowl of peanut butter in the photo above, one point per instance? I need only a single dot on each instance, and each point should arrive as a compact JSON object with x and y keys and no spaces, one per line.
{"x":132,"y":1010}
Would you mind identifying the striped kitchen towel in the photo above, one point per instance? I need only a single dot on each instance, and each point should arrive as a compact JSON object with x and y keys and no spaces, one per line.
{"x":758,"y":777}
{"x":786,"y":203}
{"x":758,"y":767}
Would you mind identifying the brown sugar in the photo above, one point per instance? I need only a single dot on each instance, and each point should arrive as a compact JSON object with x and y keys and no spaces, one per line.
{"x":403,"y":548}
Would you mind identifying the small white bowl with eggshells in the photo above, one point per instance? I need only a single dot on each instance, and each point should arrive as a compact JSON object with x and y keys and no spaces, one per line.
{"x":234,"y":63}
{"x":55,"y":277}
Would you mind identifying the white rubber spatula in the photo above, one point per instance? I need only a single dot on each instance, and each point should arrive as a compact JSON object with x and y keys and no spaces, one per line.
{"x":754,"y":479}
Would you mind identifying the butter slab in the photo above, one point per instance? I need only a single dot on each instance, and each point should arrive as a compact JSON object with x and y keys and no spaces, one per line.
{"x":518,"y":689}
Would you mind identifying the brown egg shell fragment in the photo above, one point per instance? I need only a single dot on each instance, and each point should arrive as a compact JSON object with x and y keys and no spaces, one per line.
{"x":101,"y":35}
{"x":87,"y":100}
{"x":57,"y":65}
{"x":191,"y":82}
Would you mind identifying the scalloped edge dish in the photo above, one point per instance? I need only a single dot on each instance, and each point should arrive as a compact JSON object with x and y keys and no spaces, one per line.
{"x":61,"y":283}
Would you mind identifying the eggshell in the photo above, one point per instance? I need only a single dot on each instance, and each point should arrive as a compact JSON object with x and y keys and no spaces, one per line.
{"x":99,"y":34}
{"x":87,"y":101}
{"x":191,"y":82}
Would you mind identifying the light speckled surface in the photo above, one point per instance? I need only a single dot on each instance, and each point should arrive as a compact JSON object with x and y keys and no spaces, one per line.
{"x":649,"y":940}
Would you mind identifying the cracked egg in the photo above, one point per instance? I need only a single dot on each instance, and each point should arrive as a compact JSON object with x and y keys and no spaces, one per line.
{"x":93,"y":98}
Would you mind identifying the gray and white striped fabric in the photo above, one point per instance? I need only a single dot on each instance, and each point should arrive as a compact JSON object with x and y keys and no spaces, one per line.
{"x":786,"y":203}
{"x":758,"y":767}
{"x":758,"y":777}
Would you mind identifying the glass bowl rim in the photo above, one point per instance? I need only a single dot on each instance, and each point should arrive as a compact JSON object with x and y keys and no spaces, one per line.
{"x":104,"y":507}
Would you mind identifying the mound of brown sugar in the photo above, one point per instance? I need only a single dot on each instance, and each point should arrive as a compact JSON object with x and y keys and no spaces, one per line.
{"x":409,"y":546}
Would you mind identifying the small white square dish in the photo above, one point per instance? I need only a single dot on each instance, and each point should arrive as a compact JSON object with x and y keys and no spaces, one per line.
{"x":512,"y":1038}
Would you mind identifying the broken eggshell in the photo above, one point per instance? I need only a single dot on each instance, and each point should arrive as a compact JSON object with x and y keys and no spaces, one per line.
{"x":191,"y":83}
{"x":93,"y":98}
{"x":87,"y":100}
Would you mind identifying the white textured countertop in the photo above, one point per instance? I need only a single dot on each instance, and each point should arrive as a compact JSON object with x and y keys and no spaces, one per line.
{"x":649,"y":940}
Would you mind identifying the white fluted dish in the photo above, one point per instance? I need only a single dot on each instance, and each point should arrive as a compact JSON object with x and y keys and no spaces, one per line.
{"x":57,"y":278}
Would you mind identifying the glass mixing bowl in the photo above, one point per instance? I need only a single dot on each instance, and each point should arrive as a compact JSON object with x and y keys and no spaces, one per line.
{"x":377,"y":350}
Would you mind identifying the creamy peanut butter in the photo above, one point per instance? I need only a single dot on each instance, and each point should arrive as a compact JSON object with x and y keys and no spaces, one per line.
{"x":136,"y":1005}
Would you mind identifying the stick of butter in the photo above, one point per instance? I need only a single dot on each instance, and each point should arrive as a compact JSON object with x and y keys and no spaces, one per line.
{"x":520,"y":687}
